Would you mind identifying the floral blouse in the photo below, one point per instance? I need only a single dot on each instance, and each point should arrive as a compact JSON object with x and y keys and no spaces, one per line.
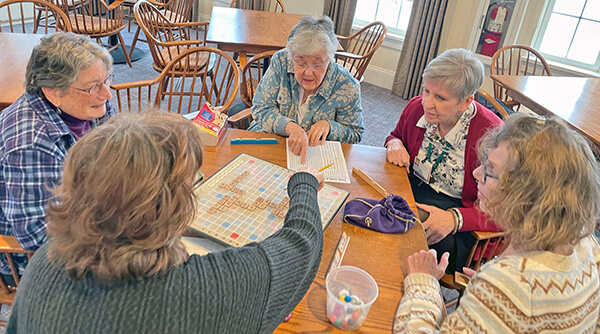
{"x":337,"y":100}
{"x":449,"y":176}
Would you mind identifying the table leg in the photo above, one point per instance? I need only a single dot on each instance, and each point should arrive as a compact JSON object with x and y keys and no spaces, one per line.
{"x":243,"y":59}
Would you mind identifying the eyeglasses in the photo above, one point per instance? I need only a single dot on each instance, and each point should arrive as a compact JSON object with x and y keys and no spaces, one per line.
{"x":199,"y":179}
{"x":484,"y":158}
{"x":315,"y":67}
{"x":95,"y":89}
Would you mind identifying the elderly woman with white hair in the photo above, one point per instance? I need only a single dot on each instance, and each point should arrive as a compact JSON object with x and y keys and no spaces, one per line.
{"x":305,"y":94}
{"x":67,"y":94}
{"x":435,"y":140}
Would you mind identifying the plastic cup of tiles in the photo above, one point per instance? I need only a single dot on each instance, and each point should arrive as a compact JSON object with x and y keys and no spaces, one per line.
{"x":350,"y":293}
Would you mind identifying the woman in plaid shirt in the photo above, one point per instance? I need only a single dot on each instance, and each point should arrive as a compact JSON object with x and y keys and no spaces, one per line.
{"x":66,"y":95}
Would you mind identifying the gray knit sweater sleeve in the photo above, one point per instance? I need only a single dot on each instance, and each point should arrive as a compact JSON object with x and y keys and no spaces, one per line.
{"x":294,"y":255}
{"x":239,"y":290}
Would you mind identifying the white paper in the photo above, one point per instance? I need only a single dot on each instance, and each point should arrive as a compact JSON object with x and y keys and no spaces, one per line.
{"x":201,"y":246}
{"x":320,"y":156}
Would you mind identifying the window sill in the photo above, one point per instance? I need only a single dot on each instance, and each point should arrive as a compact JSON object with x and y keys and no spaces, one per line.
{"x":560,"y":67}
{"x":580,"y":72}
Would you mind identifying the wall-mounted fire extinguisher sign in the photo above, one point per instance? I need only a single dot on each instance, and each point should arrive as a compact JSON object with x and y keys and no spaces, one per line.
{"x":497,"y":15}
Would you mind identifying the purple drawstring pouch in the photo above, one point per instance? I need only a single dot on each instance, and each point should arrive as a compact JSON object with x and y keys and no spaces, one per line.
{"x":391,"y":214}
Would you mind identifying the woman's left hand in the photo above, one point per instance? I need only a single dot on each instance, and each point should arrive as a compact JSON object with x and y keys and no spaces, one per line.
{"x":439,"y":224}
{"x":318,"y":132}
{"x":426,"y":262}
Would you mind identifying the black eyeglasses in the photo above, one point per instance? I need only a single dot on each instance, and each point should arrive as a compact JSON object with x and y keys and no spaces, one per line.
{"x":484,"y":158}
{"x":95,"y":89}
{"x":199,"y":179}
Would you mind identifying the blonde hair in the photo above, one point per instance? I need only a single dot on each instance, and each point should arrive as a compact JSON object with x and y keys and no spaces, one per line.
{"x":126,"y":197}
{"x":549,"y":195}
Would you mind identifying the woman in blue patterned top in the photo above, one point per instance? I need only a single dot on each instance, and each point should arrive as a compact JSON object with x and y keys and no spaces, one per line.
{"x":305,"y":94}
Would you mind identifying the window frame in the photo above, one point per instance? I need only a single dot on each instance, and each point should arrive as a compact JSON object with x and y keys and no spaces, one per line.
{"x":541,"y":30}
{"x":391,"y":31}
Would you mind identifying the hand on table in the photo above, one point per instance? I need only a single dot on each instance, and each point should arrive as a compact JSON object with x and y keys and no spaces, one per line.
{"x":426,"y":262}
{"x":397,"y":154}
{"x":318,"y":133}
{"x":315,"y":173}
{"x":439,"y":224}
{"x":297,"y":140}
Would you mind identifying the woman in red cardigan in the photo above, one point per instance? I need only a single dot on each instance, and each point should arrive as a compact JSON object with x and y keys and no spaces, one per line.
{"x":435,"y":140}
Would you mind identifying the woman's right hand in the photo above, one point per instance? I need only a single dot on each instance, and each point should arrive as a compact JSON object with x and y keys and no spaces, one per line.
{"x":297,"y":140}
{"x":318,"y":175}
{"x":397,"y":154}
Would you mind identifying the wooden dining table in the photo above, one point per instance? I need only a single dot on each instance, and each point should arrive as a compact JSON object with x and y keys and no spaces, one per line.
{"x":574,"y":99}
{"x":382,"y":255}
{"x":249,"y":31}
{"x":15,"y":50}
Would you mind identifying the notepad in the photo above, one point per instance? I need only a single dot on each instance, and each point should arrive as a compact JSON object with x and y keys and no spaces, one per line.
{"x":322,"y":155}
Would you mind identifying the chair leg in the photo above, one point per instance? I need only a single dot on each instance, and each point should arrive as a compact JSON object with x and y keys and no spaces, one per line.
{"x":135,"y":39}
{"x":125,"y":53}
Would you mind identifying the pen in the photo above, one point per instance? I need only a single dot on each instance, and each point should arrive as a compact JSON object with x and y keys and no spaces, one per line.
{"x":253,"y":141}
{"x":324,"y":168}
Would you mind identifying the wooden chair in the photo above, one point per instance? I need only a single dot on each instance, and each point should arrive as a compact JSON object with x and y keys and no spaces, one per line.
{"x":97,"y":19}
{"x":516,"y":60}
{"x":24,"y":16}
{"x":360,"y":48}
{"x":491,"y":103}
{"x":176,"y":11}
{"x":184,"y":87}
{"x":8,"y":246}
{"x":168,"y":39}
{"x":262,"y":5}
{"x":487,"y":246}
{"x":252,"y":73}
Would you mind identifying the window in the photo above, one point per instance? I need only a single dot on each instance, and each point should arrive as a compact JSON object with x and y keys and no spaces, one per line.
{"x":570,"y":33}
{"x":395,"y":14}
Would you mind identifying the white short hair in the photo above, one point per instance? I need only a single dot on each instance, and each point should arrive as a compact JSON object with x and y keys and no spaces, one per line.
{"x":311,"y":35}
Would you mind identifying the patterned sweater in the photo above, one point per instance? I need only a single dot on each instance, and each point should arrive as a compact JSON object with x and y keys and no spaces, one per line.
{"x":534,"y":292}
{"x":337,"y":101}
{"x":239,"y":290}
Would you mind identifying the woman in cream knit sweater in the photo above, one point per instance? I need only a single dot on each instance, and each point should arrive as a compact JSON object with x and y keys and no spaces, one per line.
{"x":540,"y":182}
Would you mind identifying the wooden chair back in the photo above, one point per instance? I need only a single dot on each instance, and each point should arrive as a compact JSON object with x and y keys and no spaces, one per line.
{"x":176,"y":11}
{"x":262,"y":5}
{"x":9,"y":246}
{"x":360,"y":48}
{"x":97,"y":19}
{"x":167,"y":39}
{"x":252,"y":73}
{"x":182,"y":86}
{"x":491,"y":103}
{"x":21,"y":17}
{"x":516,"y":60}
{"x":94,"y":18}
{"x":487,"y":246}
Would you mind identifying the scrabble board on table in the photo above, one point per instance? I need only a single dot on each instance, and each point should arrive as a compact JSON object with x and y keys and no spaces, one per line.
{"x":246,"y":201}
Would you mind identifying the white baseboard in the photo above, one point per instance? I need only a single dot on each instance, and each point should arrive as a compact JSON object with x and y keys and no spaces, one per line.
{"x":380,"y":77}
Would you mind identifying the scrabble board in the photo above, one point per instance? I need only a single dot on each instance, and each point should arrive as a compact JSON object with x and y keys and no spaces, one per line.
{"x":246,"y":201}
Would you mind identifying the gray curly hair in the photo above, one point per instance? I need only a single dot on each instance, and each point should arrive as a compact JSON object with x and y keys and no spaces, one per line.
{"x":58,"y":59}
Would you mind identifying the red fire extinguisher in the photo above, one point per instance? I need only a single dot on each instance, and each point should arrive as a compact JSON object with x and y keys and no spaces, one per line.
{"x":498,"y":14}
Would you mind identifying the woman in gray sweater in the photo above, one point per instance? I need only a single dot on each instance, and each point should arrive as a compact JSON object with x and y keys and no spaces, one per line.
{"x":115,"y":262}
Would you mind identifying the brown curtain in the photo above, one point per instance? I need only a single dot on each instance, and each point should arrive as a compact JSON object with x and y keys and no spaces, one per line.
{"x":341,"y":13}
{"x":420,"y":46}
